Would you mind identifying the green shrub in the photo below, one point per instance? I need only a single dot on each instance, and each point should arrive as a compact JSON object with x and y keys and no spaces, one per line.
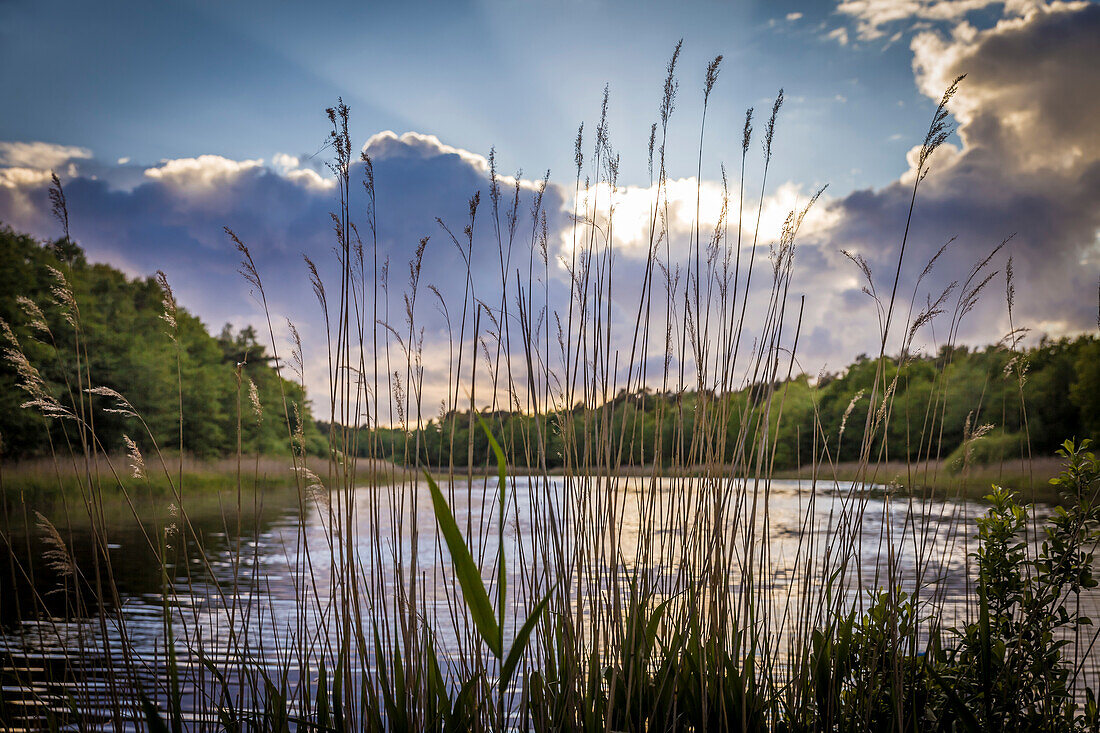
{"x":996,"y":445}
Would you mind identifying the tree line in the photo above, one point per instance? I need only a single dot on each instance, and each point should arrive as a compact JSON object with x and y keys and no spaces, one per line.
{"x":1000,"y":403}
{"x":114,"y":335}
{"x":1034,"y":398}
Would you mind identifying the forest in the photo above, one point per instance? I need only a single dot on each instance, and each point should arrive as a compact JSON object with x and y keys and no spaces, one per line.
{"x":113,"y":333}
{"x":959,"y":390}
{"x":124,"y":344}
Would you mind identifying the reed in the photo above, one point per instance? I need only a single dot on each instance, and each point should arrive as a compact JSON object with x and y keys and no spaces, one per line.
{"x":652,"y":582}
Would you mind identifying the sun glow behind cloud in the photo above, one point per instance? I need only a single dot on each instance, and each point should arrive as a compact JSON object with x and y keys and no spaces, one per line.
{"x":631,"y":212}
{"x":1021,"y":163}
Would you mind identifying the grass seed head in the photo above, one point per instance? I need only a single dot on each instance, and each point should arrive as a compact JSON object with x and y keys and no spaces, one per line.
{"x":56,"y":555}
{"x":137,"y":463}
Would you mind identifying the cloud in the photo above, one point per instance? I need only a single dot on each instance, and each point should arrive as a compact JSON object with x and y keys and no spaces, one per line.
{"x":874,"y":16}
{"x":1026,"y":161}
{"x":203,"y":174}
{"x":389,"y":145}
{"x":633,"y":214}
{"x":792,"y":17}
{"x":171,"y":218}
{"x":20,"y":178}
{"x":1028,"y":164}
{"x":840,"y":35}
{"x":289,"y":166}
{"x":39,"y":155}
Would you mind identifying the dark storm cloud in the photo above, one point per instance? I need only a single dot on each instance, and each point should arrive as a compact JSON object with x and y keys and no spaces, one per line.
{"x":1028,"y":166}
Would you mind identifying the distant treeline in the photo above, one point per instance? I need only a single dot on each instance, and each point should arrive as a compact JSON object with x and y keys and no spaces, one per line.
{"x":117,"y":337}
{"x":125,"y":344}
{"x":938,"y":402}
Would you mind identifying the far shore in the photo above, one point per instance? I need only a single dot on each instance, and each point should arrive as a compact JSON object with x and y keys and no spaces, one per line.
{"x":932,"y":479}
{"x":47,"y":477}
{"x":929,"y":479}
{"x":43,"y":480}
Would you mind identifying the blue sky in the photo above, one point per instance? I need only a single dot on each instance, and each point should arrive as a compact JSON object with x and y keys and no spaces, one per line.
{"x":167,"y":121}
{"x":245,"y":79}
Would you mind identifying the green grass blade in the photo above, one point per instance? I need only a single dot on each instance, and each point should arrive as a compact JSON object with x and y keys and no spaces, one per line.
{"x":322,"y":697}
{"x":226,"y":715}
{"x":502,"y":574}
{"x":520,"y":643}
{"x":654,"y":622}
{"x":153,"y":720}
{"x":469,"y":578}
{"x":383,"y":680}
{"x":438,"y":684}
{"x":965,"y":714}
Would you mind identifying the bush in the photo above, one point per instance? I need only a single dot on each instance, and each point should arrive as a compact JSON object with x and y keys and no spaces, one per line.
{"x":996,"y":445}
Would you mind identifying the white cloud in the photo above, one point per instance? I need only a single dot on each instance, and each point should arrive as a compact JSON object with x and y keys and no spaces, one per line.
{"x":942,"y":159}
{"x":201,"y":174}
{"x":840,"y":35}
{"x":310,"y":179}
{"x":17,"y":203}
{"x":289,"y":167}
{"x":283,"y":162}
{"x":873,"y":16}
{"x":388,"y":144}
{"x":415,"y":144}
{"x":793,"y":16}
{"x":23,"y":177}
{"x":39,"y":155}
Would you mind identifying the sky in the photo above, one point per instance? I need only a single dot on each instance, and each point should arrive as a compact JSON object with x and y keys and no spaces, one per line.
{"x":167,"y":121}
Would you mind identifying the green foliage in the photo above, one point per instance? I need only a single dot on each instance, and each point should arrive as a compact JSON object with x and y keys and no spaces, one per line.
{"x":997,"y":445}
{"x":1085,"y":390}
{"x":869,"y":675}
{"x":474,"y":592}
{"x":118,"y":337}
{"x":934,"y":399}
{"x":1008,"y":667}
{"x":466,"y":571}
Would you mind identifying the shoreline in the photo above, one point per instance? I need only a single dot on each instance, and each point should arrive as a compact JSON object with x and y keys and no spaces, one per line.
{"x":928,"y":479}
{"x":44,"y":481}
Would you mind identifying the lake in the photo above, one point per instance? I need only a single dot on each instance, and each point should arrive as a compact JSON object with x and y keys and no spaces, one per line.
{"x":285,"y":565}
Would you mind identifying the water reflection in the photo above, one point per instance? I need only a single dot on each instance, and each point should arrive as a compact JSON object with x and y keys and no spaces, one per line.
{"x":63,"y":657}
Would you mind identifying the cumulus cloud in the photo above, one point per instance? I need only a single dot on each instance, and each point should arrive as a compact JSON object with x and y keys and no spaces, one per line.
{"x":290,"y":167}
{"x":874,"y":17}
{"x":17,"y":178}
{"x":202,"y":174}
{"x":389,"y":145}
{"x":1028,"y":164}
{"x":171,"y":218}
{"x":39,"y":155}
